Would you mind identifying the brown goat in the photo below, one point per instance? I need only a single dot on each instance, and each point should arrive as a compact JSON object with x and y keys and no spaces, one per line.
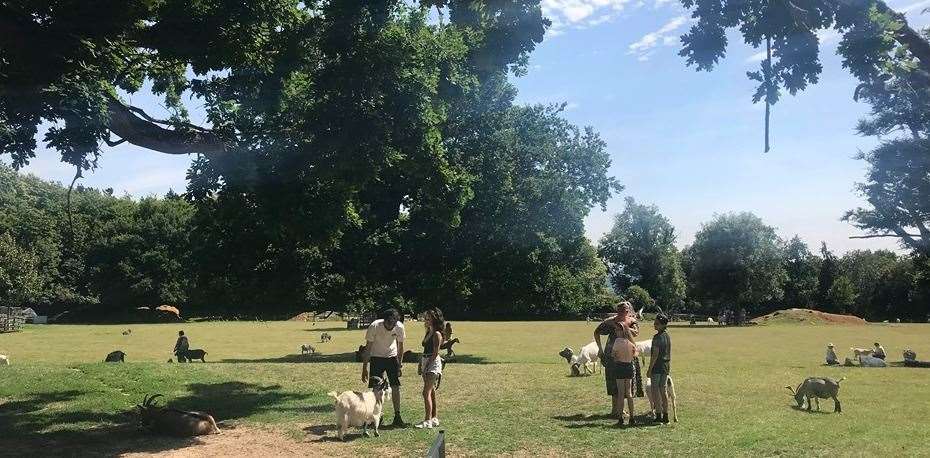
{"x":174,"y":422}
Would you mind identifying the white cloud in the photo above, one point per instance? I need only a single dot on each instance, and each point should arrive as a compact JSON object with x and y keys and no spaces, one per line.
{"x":919,"y":6}
{"x":571,"y":106}
{"x":666,"y":36}
{"x":566,"y":14}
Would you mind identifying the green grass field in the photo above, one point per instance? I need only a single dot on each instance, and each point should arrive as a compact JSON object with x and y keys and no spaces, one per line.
{"x":507,"y":393}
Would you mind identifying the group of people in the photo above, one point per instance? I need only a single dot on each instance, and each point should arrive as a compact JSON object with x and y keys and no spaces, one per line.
{"x":877,"y":352}
{"x":622,"y":369}
{"x":383,"y":355}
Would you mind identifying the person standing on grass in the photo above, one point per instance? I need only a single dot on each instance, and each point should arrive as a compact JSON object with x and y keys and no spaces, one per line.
{"x":659,"y":366}
{"x":181,"y":346}
{"x":624,"y":352}
{"x":610,"y":328}
{"x":431,"y":366}
{"x":384,"y":349}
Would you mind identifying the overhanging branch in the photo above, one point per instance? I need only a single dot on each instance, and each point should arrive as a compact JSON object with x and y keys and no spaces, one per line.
{"x":145,"y":132}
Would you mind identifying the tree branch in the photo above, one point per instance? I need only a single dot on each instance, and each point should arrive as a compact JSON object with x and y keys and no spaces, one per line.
{"x":145,"y":132}
{"x":873,"y":236}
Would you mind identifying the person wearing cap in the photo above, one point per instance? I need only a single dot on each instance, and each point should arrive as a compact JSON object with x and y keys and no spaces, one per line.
{"x":831,"y":355}
{"x":879,"y":351}
{"x":659,"y":366}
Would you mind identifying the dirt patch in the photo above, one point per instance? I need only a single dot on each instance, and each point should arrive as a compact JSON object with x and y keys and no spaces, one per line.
{"x":253,"y":442}
{"x":807,"y":316}
{"x":306,"y":316}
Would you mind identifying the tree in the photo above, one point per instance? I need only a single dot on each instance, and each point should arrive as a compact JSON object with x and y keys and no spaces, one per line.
{"x":867,"y":270}
{"x":898,"y":190}
{"x":801,"y":269}
{"x":878,"y":46}
{"x":19,"y":276}
{"x":829,"y":272}
{"x":640,"y":250}
{"x":737,"y":263}
{"x":639,"y":297}
{"x":842,"y":294}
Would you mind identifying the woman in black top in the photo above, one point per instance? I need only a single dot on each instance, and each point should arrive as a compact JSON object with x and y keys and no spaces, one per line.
{"x":431,"y":365}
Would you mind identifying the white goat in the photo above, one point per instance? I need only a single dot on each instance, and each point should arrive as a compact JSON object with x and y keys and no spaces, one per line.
{"x":670,"y":391}
{"x":711,"y":321}
{"x":587,"y":358}
{"x":861,"y":351}
{"x":645,"y":348}
{"x":355,"y":408}
{"x":4,"y":360}
{"x":307,"y":349}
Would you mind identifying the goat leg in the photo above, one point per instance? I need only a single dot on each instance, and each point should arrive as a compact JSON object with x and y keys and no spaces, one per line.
{"x":836,"y":405}
{"x":377,"y":423}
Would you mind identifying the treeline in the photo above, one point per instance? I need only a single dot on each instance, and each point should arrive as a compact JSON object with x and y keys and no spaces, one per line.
{"x":515,"y":248}
{"x":738,"y":262}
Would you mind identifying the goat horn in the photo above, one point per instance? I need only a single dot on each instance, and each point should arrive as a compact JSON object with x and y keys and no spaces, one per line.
{"x":790,"y":389}
{"x":152,"y":400}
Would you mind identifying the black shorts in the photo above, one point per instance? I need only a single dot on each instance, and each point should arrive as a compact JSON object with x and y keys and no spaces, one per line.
{"x":624,"y":371}
{"x":378,"y":366}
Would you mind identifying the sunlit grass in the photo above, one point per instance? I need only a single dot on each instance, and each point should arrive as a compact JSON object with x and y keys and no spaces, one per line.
{"x":508,"y":392}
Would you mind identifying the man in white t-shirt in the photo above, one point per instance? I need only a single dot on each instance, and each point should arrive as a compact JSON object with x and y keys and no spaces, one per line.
{"x":384,"y":348}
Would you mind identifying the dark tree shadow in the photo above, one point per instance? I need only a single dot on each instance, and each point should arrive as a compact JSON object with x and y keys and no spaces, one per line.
{"x":604,"y":421}
{"x":327,"y":329}
{"x":28,"y":426}
{"x":327,"y":433}
{"x":298,"y":358}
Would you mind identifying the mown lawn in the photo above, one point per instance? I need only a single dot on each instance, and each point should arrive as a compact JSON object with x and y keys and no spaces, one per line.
{"x":507,"y":393}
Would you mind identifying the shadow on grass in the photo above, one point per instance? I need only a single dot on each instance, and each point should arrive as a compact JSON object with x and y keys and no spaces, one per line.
{"x":42,"y":423}
{"x":603,"y":421}
{"x":327,"y":433}
{"x":348,"y":357}
{"x":813,"y":411}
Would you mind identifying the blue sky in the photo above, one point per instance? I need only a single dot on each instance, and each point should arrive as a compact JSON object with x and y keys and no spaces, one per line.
{"x":689,"y":142}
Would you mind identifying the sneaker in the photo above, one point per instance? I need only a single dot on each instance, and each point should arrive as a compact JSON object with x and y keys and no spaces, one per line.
{"x":434,"y":422}
{"x":428,"y":424}
{"x":398,"y":422}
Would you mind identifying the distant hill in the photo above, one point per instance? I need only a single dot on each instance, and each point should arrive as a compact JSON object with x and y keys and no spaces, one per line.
{"x":808,"y":316}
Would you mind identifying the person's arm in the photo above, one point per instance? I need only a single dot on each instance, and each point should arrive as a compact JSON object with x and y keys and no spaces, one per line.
{"x":653,"y":357}
{"x":401,"y":337}
{"x":634,"y":329}
{"x":597,"y":340}
{"x":437,"y":342}
{"x":366,"y":354}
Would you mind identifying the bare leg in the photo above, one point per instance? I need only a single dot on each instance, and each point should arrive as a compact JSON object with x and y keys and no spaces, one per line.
{"x":628,"y":392}
{"x":429,"y":383}
{"x":395,"y":399}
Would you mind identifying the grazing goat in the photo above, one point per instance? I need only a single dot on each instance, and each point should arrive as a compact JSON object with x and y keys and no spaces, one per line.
{"x":669,"y":391}
{"x":191,"y":355}
{"x":586,"y":358}
{"x":325,"y":337}
{"x":307,"y":349}
{"x":174,"y":422}
{"x":355,"y":408}
{"x":115,"y":357}
{"x":817,"y":388}
{"x":447,"y":346}
{"x":4,"y":360}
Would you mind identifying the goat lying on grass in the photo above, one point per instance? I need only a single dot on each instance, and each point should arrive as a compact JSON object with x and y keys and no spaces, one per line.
{"x":115,"y":357}
{"x":174,"y":422}
{"x":817,"y":388}
{"x":354,"y":408}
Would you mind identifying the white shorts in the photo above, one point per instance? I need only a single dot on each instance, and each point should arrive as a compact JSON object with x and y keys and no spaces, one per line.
{"x":434,"y":368}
